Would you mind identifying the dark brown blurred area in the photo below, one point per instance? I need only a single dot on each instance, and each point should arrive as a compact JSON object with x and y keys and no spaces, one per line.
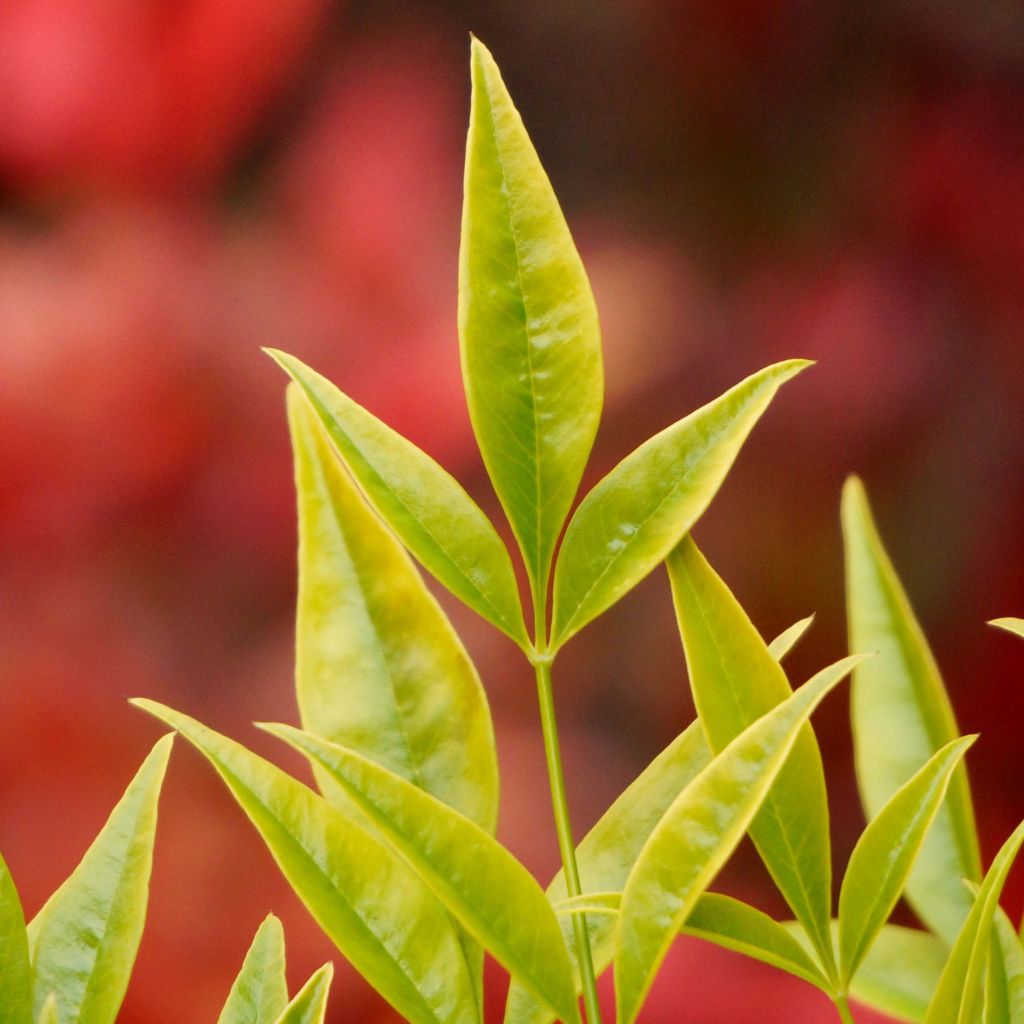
{"x":747,"y":180}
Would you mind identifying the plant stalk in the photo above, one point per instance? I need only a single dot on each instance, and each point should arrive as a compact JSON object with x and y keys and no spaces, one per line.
{"x":843,"y":1006}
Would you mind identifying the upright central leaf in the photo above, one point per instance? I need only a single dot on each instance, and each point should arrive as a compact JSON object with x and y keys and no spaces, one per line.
{"x":531,"y":354}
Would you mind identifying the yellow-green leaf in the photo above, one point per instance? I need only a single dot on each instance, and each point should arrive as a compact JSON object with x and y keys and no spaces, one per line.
{"x":428,"y":510}
{"x":310,"y":1002}
{"x":48,"y":1014}
{"x":901,"y":716}
{"x":490,"y":893}
{"x":735,"y":680}
{"x":84,"y":940}
{"x":362,"y":893}
{"x":530,"y":341}
{"x":1010,"y":625}
{"x":260,"y":992}
{"x":788,"y":638}
{"x":633,"y":517}
{"x":695,"y":838}
{"x":1008,"y":956}
{"x":15,"y":966}
{"x":378,"y":666}
{"x":885,"y":854}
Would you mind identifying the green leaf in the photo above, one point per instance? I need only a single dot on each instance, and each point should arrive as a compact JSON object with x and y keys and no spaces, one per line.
{"x":379,"y":667}
{"x":996,"y":1000}
{"x":788,"y":638}
{"x":958,"y":996}
{"x":631,"y":520}
{"x":260,"y":992}
{"x":85,"y":938}
{"x":490,"y":893}
{"x":735,"y":680}
{"x":310,"y":1002}
{"x":1010,"y":956}
{"x":607,"y":854}
{"x":901,"y":716}
{"x":528,"y":330}
{"x":15,"y":966}
{"x":365,"y":897}
{"x":1011,"y":625}
{"x":885,"y":854}
{"x":697,"y":835}
{"x":423,"y":504}
{"x":48,"y":1014}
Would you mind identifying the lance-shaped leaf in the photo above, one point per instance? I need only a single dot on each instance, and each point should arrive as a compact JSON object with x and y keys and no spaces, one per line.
{"x":490,"y":893}
{"x":696,"y":836}
{"x":788,"y":638}
{"x":885,"y":854}
{"x":48,"y":1014}
{"x":15,"y":967}
{"x":901,"y":715}
{"x":361,"y":892}
{"x":1006,"y":959}
{"x":84,"y":940}
{"x":378,"y":666}
{"x":735,"y":680}
{"x":1010,"y":625}
{"x":528,"y":331}
{"x":607,"y":854}
{"x":310,"y":1002}
{"x":428,"y":510}
{"x":260,"y":992}
{"x":633,"y":517}
{"x":958,"y":996}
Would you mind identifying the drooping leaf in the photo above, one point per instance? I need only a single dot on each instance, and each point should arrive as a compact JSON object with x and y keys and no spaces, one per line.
{"x":958,"y":995}
{"x":735,"y":680}
{"x":310,"y":1002}
{"x":428,"y":510}
{"x":633,"y":517}
{"x":490,"y":893}
{"x":697,"y":835}
{"x":788,"y":638}
{"x":48,"y":1014}
{"x":885,"y":854}
{"x":530,"y":341}
{"x":84,"y":940}
{"x":607,"y":854}
{"x":362,"y":893}
{"x":15,"y":966}
{"x":901,"y":716}
{"x":378,"y":666}
{"x":260,"y":992}
{"x":1010,"y":624}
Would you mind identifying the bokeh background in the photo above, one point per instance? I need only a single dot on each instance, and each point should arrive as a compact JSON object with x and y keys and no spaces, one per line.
{"x":747,"y":180}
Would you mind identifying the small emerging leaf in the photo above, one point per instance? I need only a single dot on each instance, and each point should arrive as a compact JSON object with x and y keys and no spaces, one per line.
{"x":15,"y":967}
{"x":310,"y":1002}
{"x":260,"y":992}
{"x":633,"y":517}
{"x":1011,"y":625}
{"x":788,"y":638}
{"x":85,"y":938}
{"x":528,"y":331}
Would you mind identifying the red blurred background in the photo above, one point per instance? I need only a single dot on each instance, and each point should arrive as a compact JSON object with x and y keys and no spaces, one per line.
{"x":747,"y":180}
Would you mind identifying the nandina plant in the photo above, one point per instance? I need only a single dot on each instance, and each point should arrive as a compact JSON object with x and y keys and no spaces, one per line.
{"x":395,"y":856}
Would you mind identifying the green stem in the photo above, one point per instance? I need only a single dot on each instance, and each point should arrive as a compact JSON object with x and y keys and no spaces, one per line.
{"x":843,"y":1006}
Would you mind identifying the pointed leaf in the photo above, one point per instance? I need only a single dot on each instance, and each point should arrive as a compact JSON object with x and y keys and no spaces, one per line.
{"x":423,"y":504}
{"x":788,"y":638}
{"x":885,"y":854}
{"x":530,"y":341}
{"x":379,"y":667}
{"x":85,"y":938}
{"x":365,"y":897}
{"x":260,"y":992}
{"x":15,"y":967}
{"x":310,"y":1003}
{"x":901,"y":715}
{"x":735,"y":680}
{"x":1010,"y":624}
{"x":491,"y":894}
{"x":607,"y":854}
{"x":695,"y":838}
{"x":958,"y":996}
{"x":48,"y":1014}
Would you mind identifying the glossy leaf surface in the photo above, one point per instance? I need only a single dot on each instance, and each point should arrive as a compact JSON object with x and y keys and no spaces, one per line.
{"x":788,"y":638}
{"x":310,"y":1002}
{"x":697,"y":835}
{"x":901,"y":716}
{"x":607,"y":853}
{"x":428,"y":510}
{"x":15,"y":966}
{"x":735,"y":680}
{"x":633,"y":517}
{"x":260,"y":992}
{"x":84,"y":939}
{"x":365,"y":897}
{"x":491,"y":894}
{"x":885,"y":853}
{"x":530,"y":341}
{"x":378,"y":666}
